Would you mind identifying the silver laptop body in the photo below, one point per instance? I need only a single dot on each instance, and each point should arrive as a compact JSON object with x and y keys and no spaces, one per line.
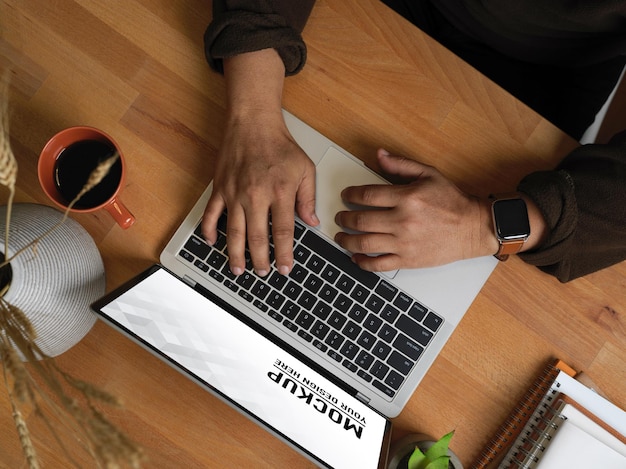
{"x":444,"y":293}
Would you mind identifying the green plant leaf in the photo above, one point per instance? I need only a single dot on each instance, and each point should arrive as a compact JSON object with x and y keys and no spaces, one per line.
{"x":441,"y":462}
{"x":440,"y":448}
{"x":417,"y":459}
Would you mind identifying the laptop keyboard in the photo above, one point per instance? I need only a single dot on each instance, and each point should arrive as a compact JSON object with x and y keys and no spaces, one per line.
{"x":356,"y":318}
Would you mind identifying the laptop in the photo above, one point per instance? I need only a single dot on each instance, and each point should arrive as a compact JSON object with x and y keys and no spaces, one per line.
{"x":328,"y":336}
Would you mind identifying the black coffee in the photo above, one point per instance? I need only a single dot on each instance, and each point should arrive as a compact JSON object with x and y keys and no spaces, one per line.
{"x":73,"y":167}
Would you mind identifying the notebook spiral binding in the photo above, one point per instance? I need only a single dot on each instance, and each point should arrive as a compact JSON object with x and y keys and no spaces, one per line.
{"x":537,"y":400}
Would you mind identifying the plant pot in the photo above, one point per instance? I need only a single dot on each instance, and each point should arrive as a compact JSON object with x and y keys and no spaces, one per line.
{"x":402,"y":449}
{"x":55,"y":284}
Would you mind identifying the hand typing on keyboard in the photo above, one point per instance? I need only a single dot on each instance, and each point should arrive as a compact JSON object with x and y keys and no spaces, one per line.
{"x":428,"y":221}
{"x":261,"y":171}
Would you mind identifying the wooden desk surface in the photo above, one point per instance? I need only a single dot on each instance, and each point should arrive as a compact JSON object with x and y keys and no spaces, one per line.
{"x":135,"y":68}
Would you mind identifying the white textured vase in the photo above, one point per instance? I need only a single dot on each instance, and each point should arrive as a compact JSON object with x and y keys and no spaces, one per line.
{"x":55,"y":285}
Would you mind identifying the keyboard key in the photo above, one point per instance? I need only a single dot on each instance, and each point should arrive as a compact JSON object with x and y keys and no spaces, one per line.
{"x":345,"y":283}
{"x":275,"y":300}
{"x":352,"y":330}
{"x":333,"y":255}
{"x":305,"y":320}
{"x":366,"y":340}
{"x":320,"y":346}
{"x":364,"y":359}
{"x":372,"y":323}
{"x":290,"y":325}
{"x":321,"y":310}
{"x":374,"y":303}
{"x":328,"y":293}
{"x":201,"y":265}
{"x":387,"y":333}
{"x":418,"y":311}
{"x":186,"y":255}
{"x":275,"y":316}
{"x":334,"y":355}
{"x":292,"y":290}
{"x":216,"y":275}
{"x":408,"y":347}
{"x":384,"y":389}
{"x":349,"y":350}
{"x":307,"y":300}
{"x":360,"y":294}
{"x":298,"y":273}
{"x":260,"y":290}
{"x":301,"y":254}
{"x":364,"y":376}
{"x":313,"y":283}
{"x":320,"y":330}
{"x":400,"y":362}
{"x":379,"y":370}
{"x":305,"y":335}
{"x":277,"y":280}
{"x":245,"y":280}
{"x":381,"y":350}
{"x":315,"y":264}
{"x":337,"y":320}
{"x":394,"y":380}
{"x":414,"y":330}
{"x":433,"y":321}
{"x":216,"y":260}
{"x":389,"y":313}
{"x":342,"y":303}
{"x":334,"y":339}
{"x":386,"y":290}
{"x":197,"y":247}
{"x":403,"y":302}
{"x":290,"y":309}
{"x":260,"y":305}
{"x":330,"y":274}
{"x":350,"y":366}
{"x":298,"y":230}
{"x":358,"y":313}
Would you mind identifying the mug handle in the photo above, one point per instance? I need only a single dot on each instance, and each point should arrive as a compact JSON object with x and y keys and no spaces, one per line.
{"x":120,"y":213}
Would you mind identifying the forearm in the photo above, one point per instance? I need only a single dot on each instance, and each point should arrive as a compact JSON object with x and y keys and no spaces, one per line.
{"x":583,"y":203}
{"x":246,"y":25}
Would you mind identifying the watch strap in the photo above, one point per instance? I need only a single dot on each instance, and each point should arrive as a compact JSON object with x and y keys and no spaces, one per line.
{"x":507,"y":247}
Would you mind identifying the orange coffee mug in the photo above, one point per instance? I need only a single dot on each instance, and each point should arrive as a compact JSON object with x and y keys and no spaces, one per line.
{"x":65,"y":164}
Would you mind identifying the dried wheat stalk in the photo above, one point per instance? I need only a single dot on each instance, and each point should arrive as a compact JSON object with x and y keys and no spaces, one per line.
{"x":109,"y":447}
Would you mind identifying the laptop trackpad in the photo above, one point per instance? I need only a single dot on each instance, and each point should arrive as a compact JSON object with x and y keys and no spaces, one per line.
{"x":335,"y":172}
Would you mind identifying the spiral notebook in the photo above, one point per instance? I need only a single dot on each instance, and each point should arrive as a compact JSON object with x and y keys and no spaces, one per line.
{"x":557,"y":416}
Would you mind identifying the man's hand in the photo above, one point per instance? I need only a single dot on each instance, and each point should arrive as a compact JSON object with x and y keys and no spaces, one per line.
{"x":261,"y":171}
{"x":423,"y":223}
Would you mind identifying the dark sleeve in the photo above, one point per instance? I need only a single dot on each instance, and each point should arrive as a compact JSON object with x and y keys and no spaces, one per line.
{"x":240,"y":26}
{"x":584,"y":203}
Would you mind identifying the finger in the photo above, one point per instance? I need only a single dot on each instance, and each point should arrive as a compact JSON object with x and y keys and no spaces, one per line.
{"x":258,"y":239}
{"x":402,"y":166}
{"x":212,"y":212}
{"x":369,"y":243}
{"x":236,"y":239}
{"x":365,"y":221}
{"x":382,"y":263}
{"x":382,"y":196}
{"x":305,"y":199}
{"x":282,"y":233}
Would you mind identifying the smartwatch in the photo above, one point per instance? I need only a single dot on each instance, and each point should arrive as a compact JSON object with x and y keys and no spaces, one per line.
{"x":510,"y":223}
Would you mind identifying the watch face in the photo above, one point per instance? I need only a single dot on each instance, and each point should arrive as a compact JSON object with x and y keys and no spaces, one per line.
{"x":511,"y":218}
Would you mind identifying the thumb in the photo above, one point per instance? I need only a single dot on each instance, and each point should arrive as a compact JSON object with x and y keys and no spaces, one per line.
{"x":305,"y":200}
{"x":401,"y":166}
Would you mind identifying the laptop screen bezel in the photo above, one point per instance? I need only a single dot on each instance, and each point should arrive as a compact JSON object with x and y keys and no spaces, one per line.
{"x":100,"y":304}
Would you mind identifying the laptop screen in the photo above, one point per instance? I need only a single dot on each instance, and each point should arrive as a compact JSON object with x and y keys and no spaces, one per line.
{"x":255,"y":375}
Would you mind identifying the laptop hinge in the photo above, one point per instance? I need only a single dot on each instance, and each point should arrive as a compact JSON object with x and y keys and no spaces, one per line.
{"x":189,"y":281}
{"x":362,"y":398}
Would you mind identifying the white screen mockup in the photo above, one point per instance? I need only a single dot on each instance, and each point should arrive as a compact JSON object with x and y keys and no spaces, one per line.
{"x":246,"y":368}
